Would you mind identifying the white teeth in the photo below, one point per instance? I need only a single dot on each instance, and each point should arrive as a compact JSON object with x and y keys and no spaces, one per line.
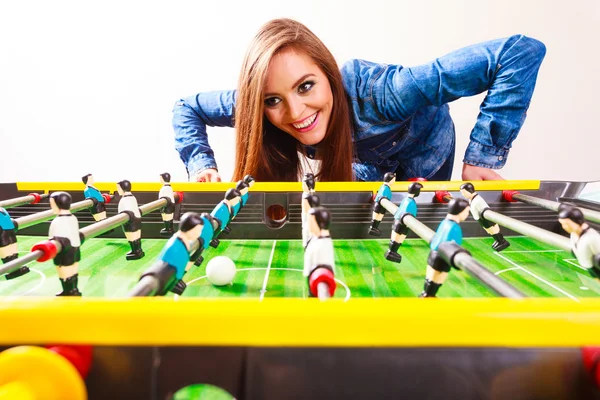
{"x":306,"y":122}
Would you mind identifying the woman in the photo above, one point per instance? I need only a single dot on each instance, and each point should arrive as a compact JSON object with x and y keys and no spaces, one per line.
{"x":295,"y":112}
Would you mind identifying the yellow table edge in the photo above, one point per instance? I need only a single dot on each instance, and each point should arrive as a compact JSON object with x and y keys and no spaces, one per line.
{"x":281,"y":186}
{"x":301,"y":322}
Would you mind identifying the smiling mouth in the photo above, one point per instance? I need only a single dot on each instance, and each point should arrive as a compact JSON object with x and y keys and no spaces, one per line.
{"x":307,"y":124}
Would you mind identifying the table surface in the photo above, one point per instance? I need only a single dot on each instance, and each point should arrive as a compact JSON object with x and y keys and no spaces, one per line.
{"x":273,"y":268}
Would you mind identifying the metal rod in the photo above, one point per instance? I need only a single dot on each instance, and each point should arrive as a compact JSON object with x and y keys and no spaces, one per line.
{"x":30,"y":257}
{"x":467,"y":263}
{"x":418,"y":227}
{"x":550,"y":238}
{"x":98,"y":228}
{"x":323,"y":291}
{"x":34,"y":219}
{"x":553,"y":205}
{"x":89,"y":231}
{"x":147,"y":286}
{"x":388,"y":205}
{"x":18,"y":201}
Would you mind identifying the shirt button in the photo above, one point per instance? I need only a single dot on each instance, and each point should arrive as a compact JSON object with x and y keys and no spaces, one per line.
{"x":393,"y":143}
{"x":500,"y":158}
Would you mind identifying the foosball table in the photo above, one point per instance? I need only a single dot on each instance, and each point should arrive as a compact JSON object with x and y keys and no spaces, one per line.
{"x":520,"y":322}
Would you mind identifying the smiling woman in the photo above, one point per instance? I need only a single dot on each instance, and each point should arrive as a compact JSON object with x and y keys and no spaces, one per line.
{"x":293,"y":106}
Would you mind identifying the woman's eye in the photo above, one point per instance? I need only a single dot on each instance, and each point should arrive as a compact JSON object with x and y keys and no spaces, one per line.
{"x":306,"y":86}
{"x":272,"y":101}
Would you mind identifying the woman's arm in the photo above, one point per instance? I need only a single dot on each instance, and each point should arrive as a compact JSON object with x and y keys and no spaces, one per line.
{"x":191,"y":116}
{"x":505,"y":68}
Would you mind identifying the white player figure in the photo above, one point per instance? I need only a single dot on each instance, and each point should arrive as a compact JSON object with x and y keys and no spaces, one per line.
{"x":319,"y":258}
{"x":128,"y":204}
{"x":166,"y":192}
{"x":478,"y":205}
{"x":65,"y":229}
{"x":585,"y":241}
{"x":308,"y":190}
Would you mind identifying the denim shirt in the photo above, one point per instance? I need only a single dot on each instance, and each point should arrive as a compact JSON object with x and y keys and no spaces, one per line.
{"x":400,"y":115}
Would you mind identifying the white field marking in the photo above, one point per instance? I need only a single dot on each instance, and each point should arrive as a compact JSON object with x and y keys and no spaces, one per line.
{"x":36,"y":287}
{"x":539,"y":278}
{"x":570,"y":261}
{"x":532,"y":251}
{"x":348,"y":293}
{"x":264,"y":286}
{"x":584,"y":288}
{"x":504,"y":270}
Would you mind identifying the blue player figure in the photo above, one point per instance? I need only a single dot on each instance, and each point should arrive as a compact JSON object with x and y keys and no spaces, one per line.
{"x":448,"y":230}
{"x":243,"y":186}
{"x":8,"y":244}
{"x":209,"y":226}
{"x":399,"y":231}
{"x":176,"y":253}
{"x":99,"y":208}
{"x":384,"y":192}
{"x":223,"y":213}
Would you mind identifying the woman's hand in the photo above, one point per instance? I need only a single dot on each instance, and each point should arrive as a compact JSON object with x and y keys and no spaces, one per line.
{"x":207,"y":175}
{"x":473,"y":173}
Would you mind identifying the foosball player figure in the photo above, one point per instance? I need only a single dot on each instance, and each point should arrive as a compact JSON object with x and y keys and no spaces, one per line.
{"x":64,"y":228}
{"x":585,"y":241}
{"x":378,"y":211}
{"x":207,"y":233}
{"x":166,"y":192}
{"x":448,"y":230}
{"x":8,"y":244}
{"x":308,"y":201}
{"x":176,"y":253}
{"x":319,"y":259}
{"x":243,"y":186}
{"x":399,"y":231}
{"x":223,"y":213}
{"x":478,"y":206}
{"x":129,"y":205}
{"x":99,"y":208}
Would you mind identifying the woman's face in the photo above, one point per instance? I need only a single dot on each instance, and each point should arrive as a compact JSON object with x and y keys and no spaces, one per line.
{"x":298,"y":98}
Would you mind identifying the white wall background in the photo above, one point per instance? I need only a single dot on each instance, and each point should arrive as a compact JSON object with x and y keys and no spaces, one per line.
{"x":89,"y":86}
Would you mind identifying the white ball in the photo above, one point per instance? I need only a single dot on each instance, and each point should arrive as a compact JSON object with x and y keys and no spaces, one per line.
{"x":220,"y":271}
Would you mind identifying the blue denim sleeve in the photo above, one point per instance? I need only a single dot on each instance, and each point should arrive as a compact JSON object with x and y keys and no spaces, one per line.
{"x":505,"y":68}
{"x":191,"y":116}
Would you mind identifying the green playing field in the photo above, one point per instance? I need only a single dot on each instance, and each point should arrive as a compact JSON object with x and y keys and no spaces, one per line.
{"x":273,"y":268}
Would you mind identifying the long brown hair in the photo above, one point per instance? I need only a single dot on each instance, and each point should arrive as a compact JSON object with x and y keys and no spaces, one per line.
{"x":266,"y":152}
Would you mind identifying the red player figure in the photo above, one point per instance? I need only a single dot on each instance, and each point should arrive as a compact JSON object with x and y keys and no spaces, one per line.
{"x":478,"y":205}
{"x":128,"y":204}
{"x":166,"y":192}
{"x":65,"y":229}
{"x":8,"y":243}
{"x":584,"y":240}
{"x":319,"y":258}
{"x":378,"y":211}
{"x":448,"y":230}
